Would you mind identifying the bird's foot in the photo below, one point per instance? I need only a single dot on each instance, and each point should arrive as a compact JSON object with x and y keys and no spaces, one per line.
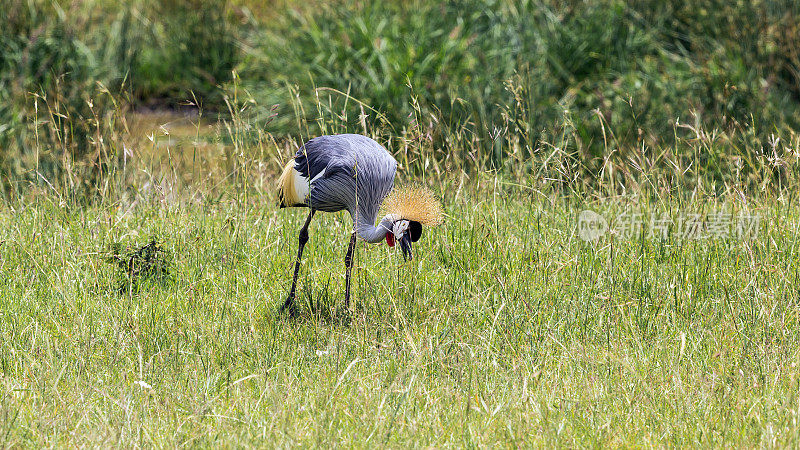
{"x":343,"y":316}
{"x":289,"y":307}
{"x":346,"y":310}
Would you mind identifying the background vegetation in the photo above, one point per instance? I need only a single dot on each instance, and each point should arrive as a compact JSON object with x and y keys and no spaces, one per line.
{"x":142,"y":260}
{"x":487,"y":84}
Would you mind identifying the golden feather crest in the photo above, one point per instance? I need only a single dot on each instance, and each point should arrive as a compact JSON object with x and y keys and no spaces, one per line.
{"x":416,"y":203}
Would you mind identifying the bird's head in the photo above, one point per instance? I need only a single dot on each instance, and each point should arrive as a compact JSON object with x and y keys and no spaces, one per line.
{"x":405,"y":232}
{"x":409,"y":209}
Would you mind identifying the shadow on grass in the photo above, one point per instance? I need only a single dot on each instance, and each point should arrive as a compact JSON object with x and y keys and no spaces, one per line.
{"x":321,"y":306}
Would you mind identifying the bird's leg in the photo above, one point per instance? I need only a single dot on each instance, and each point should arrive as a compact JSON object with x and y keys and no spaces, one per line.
{"x":348,"y":264}
{"x":302,"y":238}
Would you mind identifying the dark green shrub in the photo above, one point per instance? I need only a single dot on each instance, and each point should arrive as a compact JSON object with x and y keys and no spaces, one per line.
{"x":188,"y":50}
{"x":51,"y":104}
{"x":66,"y":66}
{"x":627,"y":69}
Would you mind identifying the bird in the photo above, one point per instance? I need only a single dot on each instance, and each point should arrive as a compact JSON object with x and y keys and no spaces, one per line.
{"x":354,"y":173}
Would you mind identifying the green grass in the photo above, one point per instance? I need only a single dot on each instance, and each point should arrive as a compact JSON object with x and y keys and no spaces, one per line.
{"x":474,"y":64}
{"x":506,"y":329}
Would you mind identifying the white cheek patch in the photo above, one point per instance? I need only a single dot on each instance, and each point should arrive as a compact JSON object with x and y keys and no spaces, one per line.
{"x":399,"y":228}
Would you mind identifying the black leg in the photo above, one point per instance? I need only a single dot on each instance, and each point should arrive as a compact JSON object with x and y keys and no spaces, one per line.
{"x":348,"y":264}
{"x":303,"y":238}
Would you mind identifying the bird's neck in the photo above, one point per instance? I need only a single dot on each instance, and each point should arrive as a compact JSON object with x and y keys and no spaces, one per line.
{"x":371,"y":233}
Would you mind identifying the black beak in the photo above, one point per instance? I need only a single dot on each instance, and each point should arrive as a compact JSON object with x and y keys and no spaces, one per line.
{"x":405,"y":245}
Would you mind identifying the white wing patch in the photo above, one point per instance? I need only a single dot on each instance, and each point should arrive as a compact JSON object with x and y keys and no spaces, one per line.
{"x":302,"y":187}
{"x":321,"y":173}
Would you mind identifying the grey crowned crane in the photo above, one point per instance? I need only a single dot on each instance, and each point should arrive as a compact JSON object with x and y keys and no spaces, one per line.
{"x":354,"y":173}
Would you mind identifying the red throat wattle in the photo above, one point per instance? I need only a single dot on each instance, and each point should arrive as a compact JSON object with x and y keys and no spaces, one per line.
{"x":390,"y":239}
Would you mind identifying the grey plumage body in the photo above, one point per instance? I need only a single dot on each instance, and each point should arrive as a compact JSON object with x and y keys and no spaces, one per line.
{"x":340,"y":172}
{"x":348,"y":172}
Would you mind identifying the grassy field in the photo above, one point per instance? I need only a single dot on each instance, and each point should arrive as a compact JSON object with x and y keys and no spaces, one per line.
{"x":143,"y":259}
{"x":506,"y":329}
